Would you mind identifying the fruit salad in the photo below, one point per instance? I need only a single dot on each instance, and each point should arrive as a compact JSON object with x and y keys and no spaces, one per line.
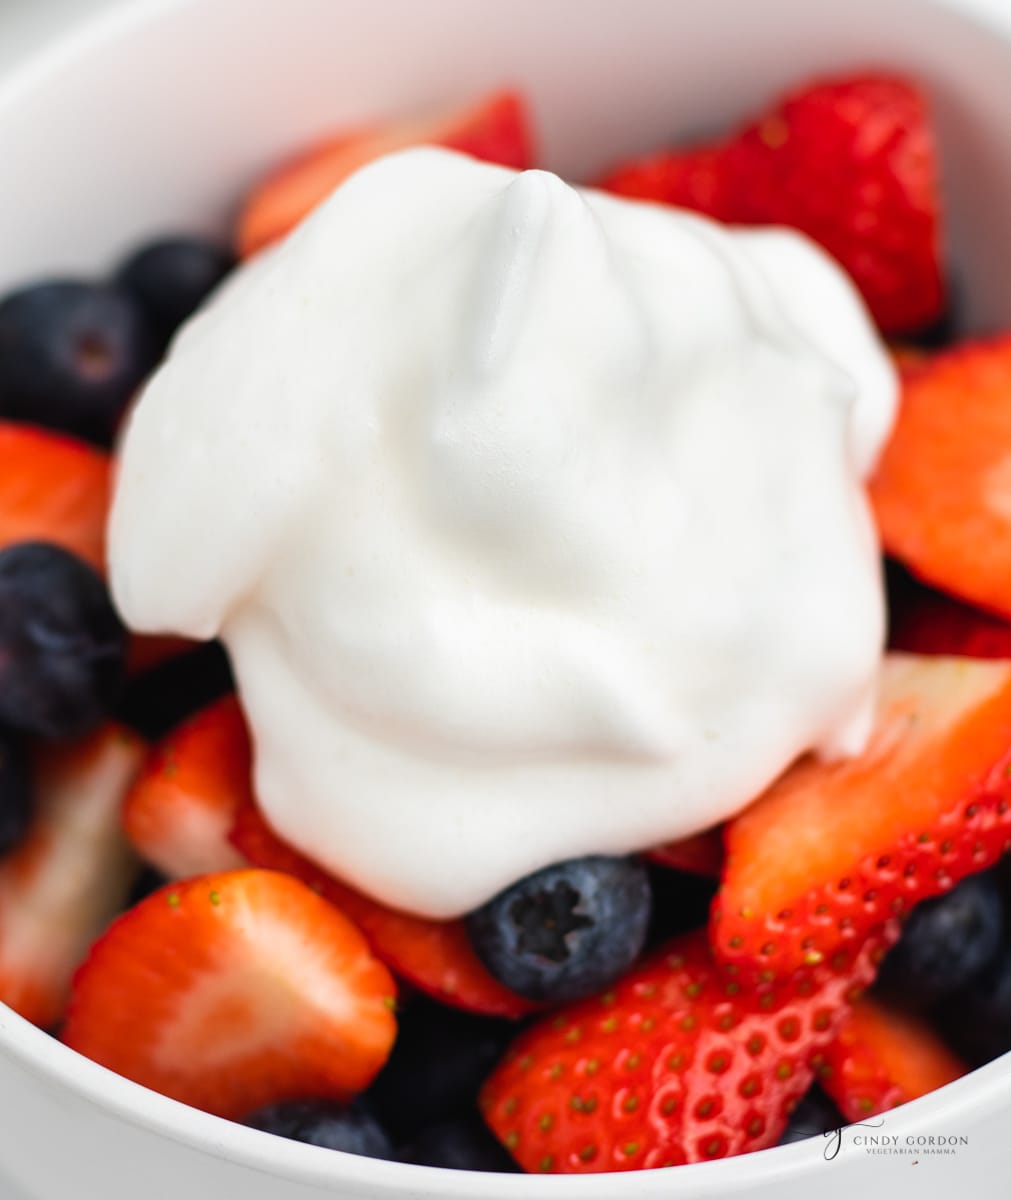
{"x":514,"y":674}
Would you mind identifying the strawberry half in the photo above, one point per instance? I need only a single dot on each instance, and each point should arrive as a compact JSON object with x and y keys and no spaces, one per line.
{"x":53,"y":488}
{"x":232,"y":991}
{"x":71,"y":874}
{"x":880,"y":1058}
{"x":850,"y":162}
{"x":677,"y":1064}
{"x":180,"y":811}
{"x":942,"y":489}
{"x":833,"y":850}
{"x":435,"y":956}
{"x":495,"y":129}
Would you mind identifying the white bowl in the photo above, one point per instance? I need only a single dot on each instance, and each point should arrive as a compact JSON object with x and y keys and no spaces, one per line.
{"x":153,"y":118}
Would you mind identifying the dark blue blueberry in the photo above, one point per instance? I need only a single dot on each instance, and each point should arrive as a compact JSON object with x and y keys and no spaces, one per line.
{"x":814,"y":1116}
{"x":976,"y":1021}
{"x":156,"y":701}
{"x":62,"y":646}
{"x":681,"y":902}
{"x":465,"y":1144}
{"x":567,"y":931}
{"x":945,"y":944}
{"x":15,"y":792}
{"x":172,"y":277}
{"x":440,"y":1059}
{"x":72,"y":355}
{"x":319,"y":1123}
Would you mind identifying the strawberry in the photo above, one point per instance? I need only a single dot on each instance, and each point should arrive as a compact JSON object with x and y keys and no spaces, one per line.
{"x":942,"y":489}
{"x":850,"y":162}
{"x":676,"y":1064}
{"x":495,"y":129}
{"x":53,"y":488}
{"x":435,"y":956}
{"x":700,"y":854}
{"x":235,"y":990}
{"x":181,"y":809}
{"x":880,"y":1058}
{"x":71,"y":874}
{"x":834,"y":849}
{"x":927,"y":622}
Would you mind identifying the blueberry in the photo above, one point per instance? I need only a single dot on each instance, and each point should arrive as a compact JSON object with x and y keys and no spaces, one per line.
{"x":156,"y":701}
{"x":947,"y":942}
{"x":72,"y":355}
{"x":464,"y":1144}
{"x":814,"y":1116}
{"x":976,"y":1020}
{"x":62,"y":646}
{"x":319,"y":1123}
{"x":171,"y":278}
{"x":15,"y":792}
{"x":567,"y":931}
{"x":439,"y":1061}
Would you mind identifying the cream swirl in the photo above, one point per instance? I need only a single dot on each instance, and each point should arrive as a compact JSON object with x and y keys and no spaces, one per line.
{"x":532,"y":519}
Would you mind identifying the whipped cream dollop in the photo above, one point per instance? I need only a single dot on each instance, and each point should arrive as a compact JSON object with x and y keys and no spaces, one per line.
{"x":532,"y":519}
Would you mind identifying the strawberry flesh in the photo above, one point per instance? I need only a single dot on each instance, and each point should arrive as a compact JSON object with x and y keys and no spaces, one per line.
{"x":180,"y":811}
{"x":71,"y":874}
{"x":53,"y":488}
{"x":880,"y":1058}
{"x":833,"y":850}
{"x":495,"y":129}
{"x":942,"y":489}
{"x":232,"y":991}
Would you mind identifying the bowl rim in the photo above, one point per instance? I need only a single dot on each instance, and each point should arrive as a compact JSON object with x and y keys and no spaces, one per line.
{"x":41,"y":1055}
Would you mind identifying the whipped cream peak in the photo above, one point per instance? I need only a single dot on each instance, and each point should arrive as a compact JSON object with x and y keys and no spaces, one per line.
{"x":532,"y":519}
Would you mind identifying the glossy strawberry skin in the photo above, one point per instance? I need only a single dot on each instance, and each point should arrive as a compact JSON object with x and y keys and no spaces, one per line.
{"x":850,"y":162}
{"x":678,"y":1063}
{"x":834,"y":851}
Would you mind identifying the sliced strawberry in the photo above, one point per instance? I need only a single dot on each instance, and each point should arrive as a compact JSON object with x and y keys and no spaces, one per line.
{"x":192,"y":810}
{"x":927,"y":622}
{"x":180,"y":811}
{"x":435,"y":956}
{"x":72,"y":873}
{"x":942,"y":490}
{"x":495,"y":129}
{"x":701,"y":854}
{"x":880,"y":1058}
{"x":832,"y":850}
{"x":235,"y":990}
{"x":850,"y":162}
{"x":53,"y":488}
{"x":677,"y":1064}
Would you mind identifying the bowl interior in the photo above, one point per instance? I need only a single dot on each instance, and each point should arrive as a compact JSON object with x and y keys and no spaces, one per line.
{"x":155,"y":118}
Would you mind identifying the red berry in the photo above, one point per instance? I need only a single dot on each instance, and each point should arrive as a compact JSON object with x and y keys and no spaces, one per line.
{"x":71,"y":874}
{"x":678,"y":1063}
{"x":233,"y":991}
{"x":833,"y":850}
{"x":850,"y":162}
{"x":880,"y":1058}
